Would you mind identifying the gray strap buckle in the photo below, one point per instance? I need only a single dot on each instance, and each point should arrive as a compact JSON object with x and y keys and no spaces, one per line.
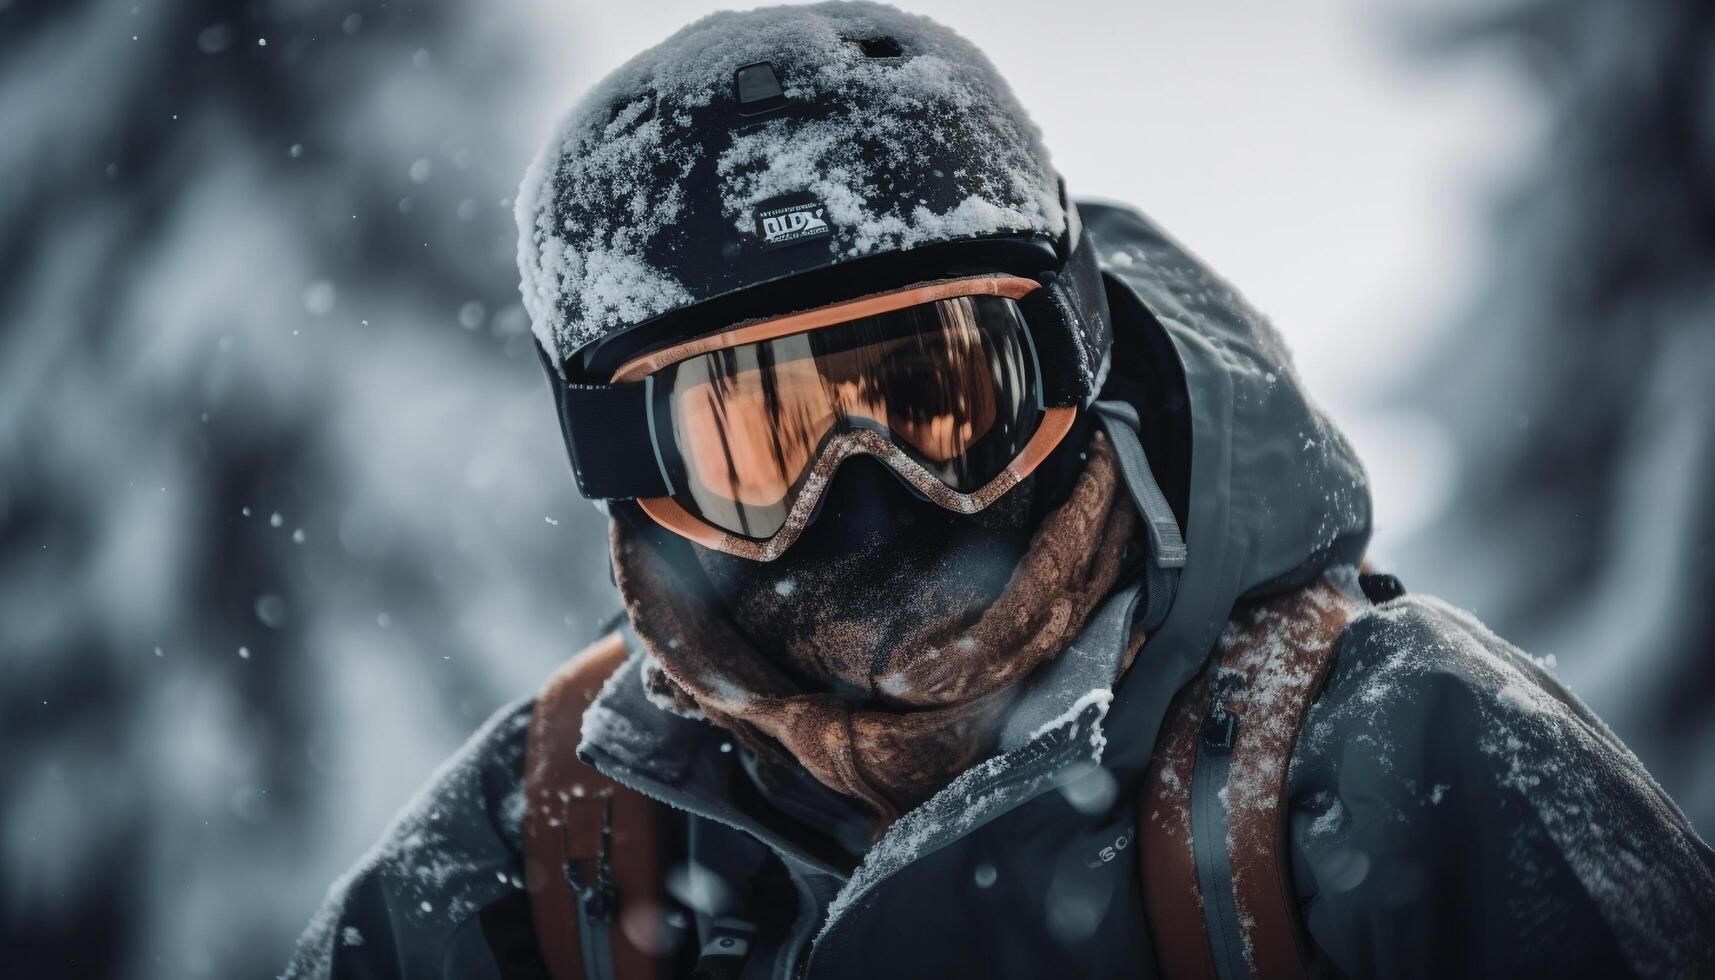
{"x":1121,"y":423}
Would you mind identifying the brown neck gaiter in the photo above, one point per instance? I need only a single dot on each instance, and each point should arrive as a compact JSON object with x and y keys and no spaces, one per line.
{"x":940,"y":691}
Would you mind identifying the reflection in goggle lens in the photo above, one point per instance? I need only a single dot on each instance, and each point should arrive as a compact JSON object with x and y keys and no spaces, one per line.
{"x":948,"y":382}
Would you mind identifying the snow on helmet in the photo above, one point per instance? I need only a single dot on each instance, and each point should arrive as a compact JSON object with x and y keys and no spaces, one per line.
{"x":754,"y":146}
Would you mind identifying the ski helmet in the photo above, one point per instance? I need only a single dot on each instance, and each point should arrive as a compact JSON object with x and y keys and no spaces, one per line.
{"x":776,"y":160}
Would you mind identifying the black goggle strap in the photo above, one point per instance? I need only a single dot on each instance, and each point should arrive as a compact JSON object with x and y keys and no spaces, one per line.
{"x":1069,"y":361}
{"x":610,"y":438}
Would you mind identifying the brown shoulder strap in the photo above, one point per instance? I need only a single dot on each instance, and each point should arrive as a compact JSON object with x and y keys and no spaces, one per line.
{"x":591,"y":846}
{"x":1273,"y":659}
{"x":1172,"y":901}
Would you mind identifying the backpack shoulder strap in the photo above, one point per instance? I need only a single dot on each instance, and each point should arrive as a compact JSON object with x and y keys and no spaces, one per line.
{"x":1217,"y":867}
{"x":1172,"y":902}
{"x":590,"y":844}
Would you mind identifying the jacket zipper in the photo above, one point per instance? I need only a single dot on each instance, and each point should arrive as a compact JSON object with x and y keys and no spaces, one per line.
{"x":1209,"y":835}
{"x":596,"y":901}
{"x":685,"y":803}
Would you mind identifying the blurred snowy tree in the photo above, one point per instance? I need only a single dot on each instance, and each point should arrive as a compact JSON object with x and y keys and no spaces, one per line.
{"x":1580,"y":389}
{"x":277,"y":465}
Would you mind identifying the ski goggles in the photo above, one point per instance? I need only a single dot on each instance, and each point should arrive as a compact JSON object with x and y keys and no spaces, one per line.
{"x":745,"y":427}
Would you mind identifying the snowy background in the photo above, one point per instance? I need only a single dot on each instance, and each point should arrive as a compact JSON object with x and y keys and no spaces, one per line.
{"x":283,"y":511}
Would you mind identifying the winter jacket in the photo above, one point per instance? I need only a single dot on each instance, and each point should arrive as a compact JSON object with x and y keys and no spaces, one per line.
{"x":1453,"y":810}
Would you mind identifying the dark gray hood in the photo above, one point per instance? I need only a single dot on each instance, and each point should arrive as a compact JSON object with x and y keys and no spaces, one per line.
{"x":1277,"y":494}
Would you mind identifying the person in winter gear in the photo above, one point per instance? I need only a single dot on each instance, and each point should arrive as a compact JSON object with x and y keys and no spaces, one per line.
{"x":992,"y":596}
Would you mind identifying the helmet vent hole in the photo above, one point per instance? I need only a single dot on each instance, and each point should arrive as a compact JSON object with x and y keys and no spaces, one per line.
{"x":878,"y":47}
{"x":758,"y":88}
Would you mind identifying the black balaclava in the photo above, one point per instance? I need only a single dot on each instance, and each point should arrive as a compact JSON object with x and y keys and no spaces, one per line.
{"x":878,"y":562}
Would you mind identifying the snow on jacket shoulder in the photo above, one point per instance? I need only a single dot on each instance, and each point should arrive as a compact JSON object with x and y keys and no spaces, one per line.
{"x":1458,"y":812}
{"x":442,"y":894}
{"x":1454,"y":812}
